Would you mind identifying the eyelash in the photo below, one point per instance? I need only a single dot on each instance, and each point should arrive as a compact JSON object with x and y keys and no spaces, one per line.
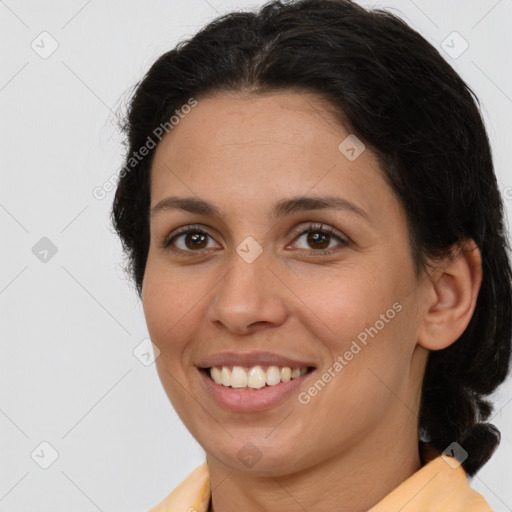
{"x":312,"y":227}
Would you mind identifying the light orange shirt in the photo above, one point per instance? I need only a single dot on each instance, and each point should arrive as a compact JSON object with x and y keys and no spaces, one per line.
{"x":436,"y":487}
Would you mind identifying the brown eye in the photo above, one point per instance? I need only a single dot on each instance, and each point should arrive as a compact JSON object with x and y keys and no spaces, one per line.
{"x":319,"y":238}
{"x":188,"y":239}
{"x":195,"y":240}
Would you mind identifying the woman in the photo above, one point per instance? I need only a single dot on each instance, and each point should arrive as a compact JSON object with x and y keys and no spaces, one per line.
{"x":313,"y":224}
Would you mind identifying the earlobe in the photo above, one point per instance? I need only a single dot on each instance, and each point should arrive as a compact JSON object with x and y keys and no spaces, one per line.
{"x":453,"y":286}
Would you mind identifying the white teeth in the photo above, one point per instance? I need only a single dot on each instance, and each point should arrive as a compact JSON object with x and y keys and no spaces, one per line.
{"x":216,"y":375}
{"x":255,"y":377}
{"x":295,"y":373}
{"x":238,"y":377}
{"x":286,"y":374}
{"x":226,"y":376}
{"x":273,"y":376}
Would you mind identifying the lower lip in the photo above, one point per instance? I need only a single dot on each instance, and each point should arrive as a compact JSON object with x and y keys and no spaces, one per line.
{"x":248,"y":399}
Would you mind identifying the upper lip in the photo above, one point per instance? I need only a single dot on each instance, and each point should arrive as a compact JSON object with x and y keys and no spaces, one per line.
{"x":251,"y":359}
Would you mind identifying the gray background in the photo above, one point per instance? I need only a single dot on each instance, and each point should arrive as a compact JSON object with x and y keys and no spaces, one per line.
{"x":70,"y":323}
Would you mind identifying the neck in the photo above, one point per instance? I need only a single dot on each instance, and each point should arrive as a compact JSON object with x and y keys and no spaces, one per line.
{"x":354,"y":480}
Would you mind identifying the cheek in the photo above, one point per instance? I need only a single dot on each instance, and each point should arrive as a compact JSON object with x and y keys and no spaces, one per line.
{"x":345,"y":302}
{"x":362,"y":320}
{"x":167,"y":302}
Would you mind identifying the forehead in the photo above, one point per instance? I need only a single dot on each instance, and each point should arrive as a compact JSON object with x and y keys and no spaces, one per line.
{"x":289,"y":122}
{"x":262,"y":147}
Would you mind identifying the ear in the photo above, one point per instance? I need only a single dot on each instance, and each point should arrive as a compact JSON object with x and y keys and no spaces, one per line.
{"x":452,"y":291}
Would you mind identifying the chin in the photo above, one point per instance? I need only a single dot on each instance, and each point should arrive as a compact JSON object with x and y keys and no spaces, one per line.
{"x":250,"y":456}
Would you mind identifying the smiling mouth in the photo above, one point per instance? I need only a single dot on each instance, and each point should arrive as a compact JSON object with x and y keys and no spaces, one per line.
{"x":255,"y":377}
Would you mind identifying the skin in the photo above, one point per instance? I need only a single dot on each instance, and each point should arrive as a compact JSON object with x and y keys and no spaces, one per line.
{"x":357,"y":439}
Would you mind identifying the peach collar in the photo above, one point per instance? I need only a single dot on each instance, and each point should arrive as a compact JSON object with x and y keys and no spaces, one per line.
{"x":437,"y":486}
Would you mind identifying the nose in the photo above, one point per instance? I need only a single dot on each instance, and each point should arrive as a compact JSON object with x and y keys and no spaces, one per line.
{"x":249,"y":296}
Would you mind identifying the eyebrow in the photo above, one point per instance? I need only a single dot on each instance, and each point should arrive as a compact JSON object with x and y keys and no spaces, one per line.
{"x":280,"y":209}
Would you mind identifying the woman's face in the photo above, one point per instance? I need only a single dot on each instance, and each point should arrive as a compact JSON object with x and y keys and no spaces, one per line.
{"x":255,"y":285}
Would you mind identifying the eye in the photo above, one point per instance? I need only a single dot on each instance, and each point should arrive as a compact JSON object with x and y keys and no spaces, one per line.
{"x":187,"y":239}
{"x":320,"y":237}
